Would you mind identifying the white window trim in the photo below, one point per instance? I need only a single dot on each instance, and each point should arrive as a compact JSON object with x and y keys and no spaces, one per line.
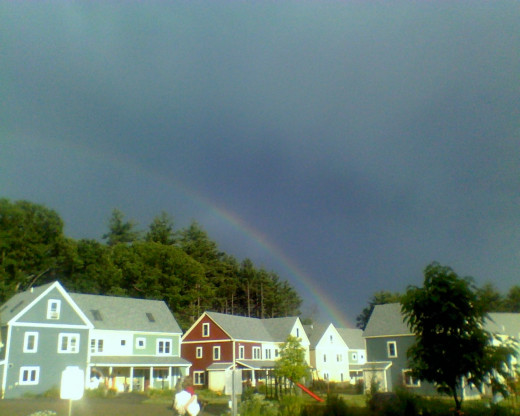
{"x":388,"y":344}
{"x":354,"y":356}
{"x":411,"y":385}
{"x":241,"y":352}
{"x":196,"y":380}
{"x":198,"y":352}
{"x":69,"y":350}
{"x":257,"y":353}
{"x":94,"y":349}
{"x":165,"y":341}
{"x":26,"y":342}
{"x":205,"y":329}
{"x":53,"y":314}
{"x":140,"y":347}
{"x":29,"y":370}
{"x":216,"y":353}
{"x":267,"y":354}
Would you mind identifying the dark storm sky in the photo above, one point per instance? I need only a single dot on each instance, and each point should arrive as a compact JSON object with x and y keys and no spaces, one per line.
{"x":356,"y":141}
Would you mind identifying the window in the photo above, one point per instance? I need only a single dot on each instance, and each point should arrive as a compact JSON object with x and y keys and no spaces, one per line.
{"x":150,"y":317}
{"x":241,"y":352}
{"x":140,"y":343}
{"x":391,"y":347}
{"x":354,"y":356}
{"x":331,"y":339}
{"x":29,"y":376}
{"x":325,"y":376}
{"x":164,"y":346}
{"x":53,"y":309}
{"x":198,"y":352}
{"x":96,"y":345}
{"x":30,"y":342}
{"x":324,"y":358}
{"x":297,"y":332}
{"x":68,"y":343}
{"x":410,"y":380}
{"x":205,"y":330}
{"x":257,"y":355}
{"x":198,"y":378}
{"x":276,"y":352}
{"x":267,"y":354}
{"x":339,"y":358}
{"x":216,"y":353}
{"x":123,"y":342}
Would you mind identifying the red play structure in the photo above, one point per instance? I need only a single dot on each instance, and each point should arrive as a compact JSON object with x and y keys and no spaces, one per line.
{"x":310,"y":393}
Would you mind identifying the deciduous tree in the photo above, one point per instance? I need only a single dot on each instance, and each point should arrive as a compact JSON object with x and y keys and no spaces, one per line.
{"x":451,"y":346}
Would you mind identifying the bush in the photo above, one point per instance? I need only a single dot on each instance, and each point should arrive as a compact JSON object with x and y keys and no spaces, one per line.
{"x":256,"y":406}
{"x":291,"y":405}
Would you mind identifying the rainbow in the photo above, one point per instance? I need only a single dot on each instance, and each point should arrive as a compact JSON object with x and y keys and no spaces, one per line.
{"x":289,"y":269}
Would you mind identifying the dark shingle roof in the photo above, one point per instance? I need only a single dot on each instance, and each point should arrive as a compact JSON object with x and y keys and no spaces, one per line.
{"x":352,"y":337}
{"x":19,"y":301}
{"x":386,"y":320}
{"x":254,"y":329}
{"x":504,"y":323}
{"x":118,"y":313}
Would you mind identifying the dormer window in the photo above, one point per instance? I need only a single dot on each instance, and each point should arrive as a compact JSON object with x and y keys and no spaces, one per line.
{"x":53,"y":309}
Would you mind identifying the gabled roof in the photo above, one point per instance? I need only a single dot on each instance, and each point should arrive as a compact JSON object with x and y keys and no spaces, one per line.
{"x":254,"y":329}
{"x":386,"y":320}
{"x":504,"y":323}
{"x":315,"y":333}
{"x":118,"y":313}
{"x":280,"y":328}
{"x":20,"y":301}
{"x":352,"y":337}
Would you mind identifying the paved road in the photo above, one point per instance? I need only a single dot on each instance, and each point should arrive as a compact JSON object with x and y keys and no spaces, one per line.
{"x":120,"y":406}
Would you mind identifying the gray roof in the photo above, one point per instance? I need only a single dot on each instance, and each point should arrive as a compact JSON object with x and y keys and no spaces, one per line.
{"x":386,"y":320}
{"x":352,"y":337}
{"x":219,"y":366}
{"x":257,"y":364}
{"x":133,"y":360}
{"x":118,"y":313}
{"x":254,"y":329}
{"x":19,"y":301}
{"x":280,"y":328}
{"x":504,"y":323}
{"x":314,"y":333}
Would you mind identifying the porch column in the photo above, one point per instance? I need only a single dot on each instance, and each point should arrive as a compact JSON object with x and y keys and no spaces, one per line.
{"x":131,"y":378}
{"x":253,"y":378}
{"x":170,"y":377}
{"x":151,"y":378}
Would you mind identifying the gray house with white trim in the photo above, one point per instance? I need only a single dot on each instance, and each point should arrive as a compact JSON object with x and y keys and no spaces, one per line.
{"x":388,"y":338}
{"x":126,"y":344}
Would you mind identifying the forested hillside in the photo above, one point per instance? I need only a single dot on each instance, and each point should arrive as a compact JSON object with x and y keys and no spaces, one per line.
{"x":185,"y":268}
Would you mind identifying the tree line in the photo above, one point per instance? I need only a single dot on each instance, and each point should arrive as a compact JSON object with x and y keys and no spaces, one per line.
{"x":184,"y":267}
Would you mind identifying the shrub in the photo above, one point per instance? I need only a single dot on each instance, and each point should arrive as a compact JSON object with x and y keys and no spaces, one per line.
{"x":291,"y":405}
{"x":256,"y":406}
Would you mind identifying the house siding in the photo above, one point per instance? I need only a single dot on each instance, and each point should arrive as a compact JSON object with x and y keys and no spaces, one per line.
{"x":377,"y":350}
{"x":46,"y":358}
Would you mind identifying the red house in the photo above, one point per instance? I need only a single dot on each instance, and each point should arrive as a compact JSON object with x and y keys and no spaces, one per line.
{"x":216,"y":341}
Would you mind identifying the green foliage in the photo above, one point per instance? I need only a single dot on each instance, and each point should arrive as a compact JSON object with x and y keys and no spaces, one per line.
{"x":290,"y":405}
{"x":184,"y":268}
{"x":379,"y":298}
{"x":451,"y":346}
{"x":292,"y":364}
{"x":31,"y":237}
{"x":161,"y":230}
{"x":257,"y":406}
{"x":120,"y":231}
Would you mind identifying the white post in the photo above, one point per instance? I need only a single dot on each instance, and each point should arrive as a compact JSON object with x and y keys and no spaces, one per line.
{"x":151,"y":378}
{"x":131,"y":378}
